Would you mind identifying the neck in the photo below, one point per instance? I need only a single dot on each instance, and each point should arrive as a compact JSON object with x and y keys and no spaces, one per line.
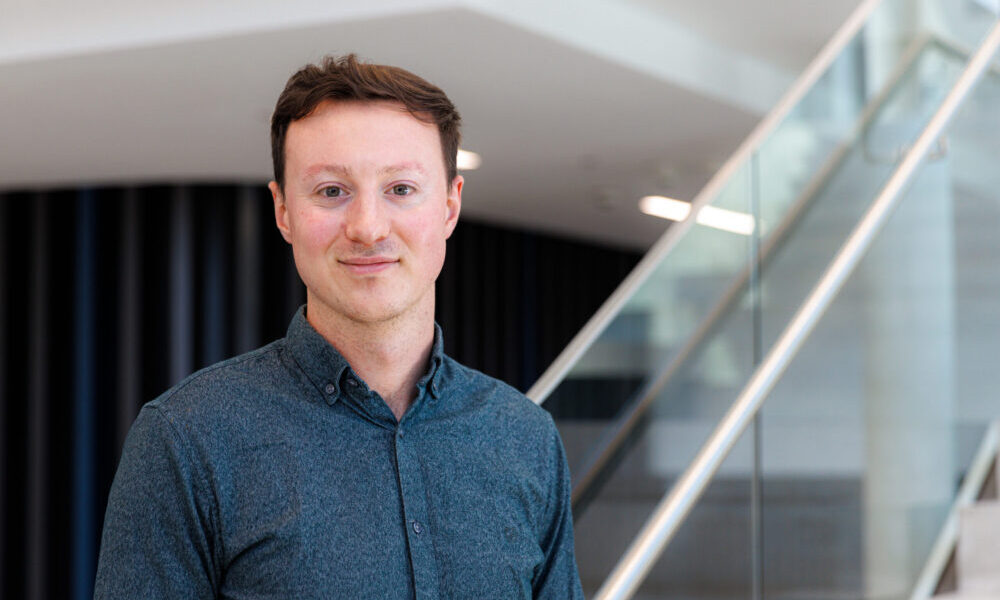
{"x":390,"y":356}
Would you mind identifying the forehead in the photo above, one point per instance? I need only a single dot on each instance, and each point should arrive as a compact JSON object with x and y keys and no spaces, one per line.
{"x":362,"y":135}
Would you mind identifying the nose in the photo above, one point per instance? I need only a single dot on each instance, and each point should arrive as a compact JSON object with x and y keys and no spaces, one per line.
{"x":366,"y":221}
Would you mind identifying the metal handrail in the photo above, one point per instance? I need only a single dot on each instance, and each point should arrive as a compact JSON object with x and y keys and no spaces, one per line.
{"x":958,"y":49}
{"x":673,"y":509}
{"x":600,"y":459}
{"x":614,"y":304}
{"x":608,"y":448}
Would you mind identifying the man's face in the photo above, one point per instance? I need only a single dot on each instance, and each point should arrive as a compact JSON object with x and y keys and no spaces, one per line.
{"x":367,"y":208}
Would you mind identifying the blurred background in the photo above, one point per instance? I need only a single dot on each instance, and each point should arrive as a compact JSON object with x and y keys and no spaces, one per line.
{"x":137,"y":245}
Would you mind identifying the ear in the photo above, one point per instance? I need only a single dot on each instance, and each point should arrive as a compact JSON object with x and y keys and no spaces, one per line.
{"x":280,"y":211}
{"x":453,"y":205}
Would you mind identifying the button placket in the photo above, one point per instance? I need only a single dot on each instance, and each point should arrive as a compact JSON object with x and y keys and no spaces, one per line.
{"x":412,"y":488}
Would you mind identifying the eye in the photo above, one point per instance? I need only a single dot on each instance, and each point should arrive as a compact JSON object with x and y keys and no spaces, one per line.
{"x":402,"y":189}
{"x":333,"y":191}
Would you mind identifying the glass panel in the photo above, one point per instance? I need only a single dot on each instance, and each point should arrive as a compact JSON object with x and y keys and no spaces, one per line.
{"x":861,"y":95}
{"x":707,"y":559}
{"x":673,"y":430}
{"x":862,"y":166}
{"x":869,"y":432}
{"x":661,"y":316}
{"x":650,"y":328}
{"x":830,"y":157}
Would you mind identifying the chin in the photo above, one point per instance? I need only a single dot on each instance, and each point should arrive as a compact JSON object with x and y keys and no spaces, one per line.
{"x":369,"y":317}
{"x":367,"y":306}
{"x":371,"y":312}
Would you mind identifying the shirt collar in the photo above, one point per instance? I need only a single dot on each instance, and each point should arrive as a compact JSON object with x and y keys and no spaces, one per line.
{"x":431,"y":380}
{"x":325,"y":366}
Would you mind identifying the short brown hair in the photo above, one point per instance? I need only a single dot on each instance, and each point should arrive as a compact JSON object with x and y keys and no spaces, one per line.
{"x":346,"y":78}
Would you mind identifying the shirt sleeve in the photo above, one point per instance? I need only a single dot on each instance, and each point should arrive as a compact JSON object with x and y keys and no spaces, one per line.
{"x":156,"y":541}
{"x":557,"y":577}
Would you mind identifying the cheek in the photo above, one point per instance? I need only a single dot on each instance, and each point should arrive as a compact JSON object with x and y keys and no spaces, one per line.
{"x":313,"y":231}
{"x":436,"y":261}
{"x":432,"y":246}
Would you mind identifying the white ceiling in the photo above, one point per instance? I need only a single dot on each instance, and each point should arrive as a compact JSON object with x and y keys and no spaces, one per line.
{"x":784,"y":34}
{"x":578,"y":109}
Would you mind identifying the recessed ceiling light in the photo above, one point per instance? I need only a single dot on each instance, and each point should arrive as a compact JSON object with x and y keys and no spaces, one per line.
{"x":710,"y":216}
{"x":726,"y":220}
{"x":665,"y":208}
{"x":468,"y":161}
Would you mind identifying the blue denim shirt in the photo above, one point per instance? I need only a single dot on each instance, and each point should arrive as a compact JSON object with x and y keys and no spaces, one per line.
{"x":280,"y":474}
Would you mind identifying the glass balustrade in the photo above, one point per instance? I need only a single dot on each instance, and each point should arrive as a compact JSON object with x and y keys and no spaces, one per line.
{"x":867,"y":436}
{"x":705,"y":315}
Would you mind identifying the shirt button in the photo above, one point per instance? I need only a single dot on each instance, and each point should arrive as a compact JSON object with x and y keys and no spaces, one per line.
{"x":417,"y":527}
{"x":331,"y":389}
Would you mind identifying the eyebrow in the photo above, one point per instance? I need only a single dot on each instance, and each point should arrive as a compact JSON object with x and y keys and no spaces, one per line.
{"x":341,"y":170}
{"x":406,"y":166}
{"x":345,"y":171}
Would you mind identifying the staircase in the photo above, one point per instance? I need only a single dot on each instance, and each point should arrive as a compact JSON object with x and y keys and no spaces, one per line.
{"x":973,"y":571}
{"x":839,"y":487}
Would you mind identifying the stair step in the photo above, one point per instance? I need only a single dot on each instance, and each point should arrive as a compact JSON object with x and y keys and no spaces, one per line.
{"x":991,"y":490}
{"x":978,"y":565}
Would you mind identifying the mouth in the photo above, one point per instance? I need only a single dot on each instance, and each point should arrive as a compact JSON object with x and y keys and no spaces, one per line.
{"x":366,"y":265}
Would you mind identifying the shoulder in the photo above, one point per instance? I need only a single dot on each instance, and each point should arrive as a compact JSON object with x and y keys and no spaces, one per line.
{"x":221,"y":380}
{"x":509,"y":432}
{"x":227,"y":395}
{"x":498,"y":404}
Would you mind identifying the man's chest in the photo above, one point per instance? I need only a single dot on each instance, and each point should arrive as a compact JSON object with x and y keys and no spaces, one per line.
{"x":370,"y":513}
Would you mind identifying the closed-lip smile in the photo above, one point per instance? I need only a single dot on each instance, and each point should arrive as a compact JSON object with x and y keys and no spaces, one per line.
{"x":363,"y":265}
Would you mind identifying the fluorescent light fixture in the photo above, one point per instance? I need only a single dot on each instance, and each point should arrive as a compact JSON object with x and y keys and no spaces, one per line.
{"x":665,"y":208}
{"x":726,"y":220}
{"x":710,"y":216}
{"x":468,"y":161}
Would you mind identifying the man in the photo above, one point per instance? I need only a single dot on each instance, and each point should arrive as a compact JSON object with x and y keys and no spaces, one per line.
{"x":353,"y":458}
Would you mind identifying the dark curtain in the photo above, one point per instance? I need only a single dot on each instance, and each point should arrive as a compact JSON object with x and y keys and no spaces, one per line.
{"x":109,"y":296}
